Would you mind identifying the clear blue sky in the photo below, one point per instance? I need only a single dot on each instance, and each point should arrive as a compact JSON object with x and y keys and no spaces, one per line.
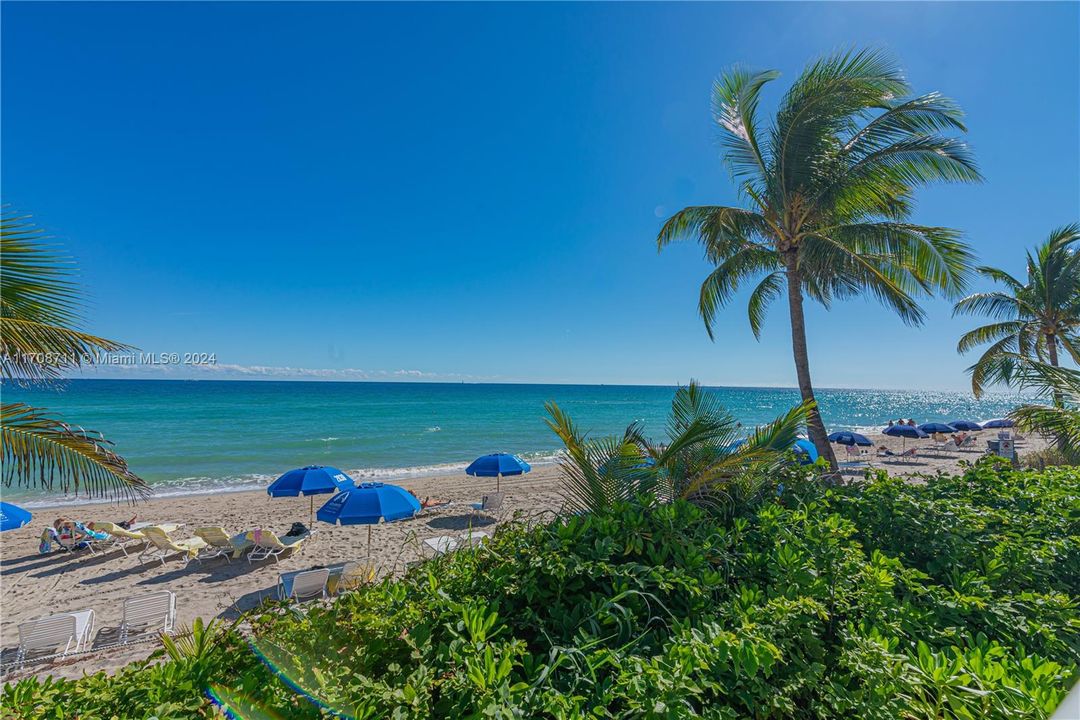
{"x":474,"y":191}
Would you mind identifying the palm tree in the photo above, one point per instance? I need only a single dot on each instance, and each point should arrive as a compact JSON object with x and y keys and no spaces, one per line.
{"x":1059,"y":423}
{"x":1033,"y":318}
{"x":704,"y":458}
{"x":38,"y":307}
{"x":829,"y":187}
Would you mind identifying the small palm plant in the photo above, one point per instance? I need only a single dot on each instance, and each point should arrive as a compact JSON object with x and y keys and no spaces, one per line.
{"x":829,"y":187}
{"x":1035,"y":319}
{"x":1060,"y":422}
{"x":704,"y":459}
{"x":38,"y":309}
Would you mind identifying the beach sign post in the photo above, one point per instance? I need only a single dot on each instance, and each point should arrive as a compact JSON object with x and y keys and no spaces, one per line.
{"x":367,"y":504}
{"x":496,"y":465}
{"x":309,"y":481}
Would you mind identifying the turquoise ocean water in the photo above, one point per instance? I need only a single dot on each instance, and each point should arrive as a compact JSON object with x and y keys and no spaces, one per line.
{"x":204,"y":436}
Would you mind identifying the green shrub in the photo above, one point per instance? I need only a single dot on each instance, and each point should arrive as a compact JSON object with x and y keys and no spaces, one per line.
{"x":953,"y":599}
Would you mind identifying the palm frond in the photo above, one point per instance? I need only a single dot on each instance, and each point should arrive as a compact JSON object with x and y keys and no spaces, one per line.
{"x":39,"y":450}
{"x":736,"y":95}
{"x":770,"y":287}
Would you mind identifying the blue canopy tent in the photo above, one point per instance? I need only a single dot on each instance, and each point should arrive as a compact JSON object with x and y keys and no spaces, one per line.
{"x":13,"y":516}
{"x":998,"y":423}
{"x":846,"y":437}
{"x":496,"y":465}
{"x":806,"y":451}
{"x":966,"y":425}
{"x":935,"y":427}
{"x":904,"y":431}
{"x":310,"y":480}
{"x":367,"y":504}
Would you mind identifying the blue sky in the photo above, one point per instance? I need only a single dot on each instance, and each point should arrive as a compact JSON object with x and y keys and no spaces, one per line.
{"x":457,"y":191}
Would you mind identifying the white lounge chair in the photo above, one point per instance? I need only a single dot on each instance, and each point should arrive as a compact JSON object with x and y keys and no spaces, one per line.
{"x":969,"y":441}
{"x":474,"y":538}
{"x":159,"y":546}
{"x":151,"y":612}
{"x":489,"y":504}
{"x":72,"y":631}
{"x":220,"y":544}
{"x":854,"y":453}
{"x":303,"y":585}
{"x":266,"y":544}
{"x":945,"y":446}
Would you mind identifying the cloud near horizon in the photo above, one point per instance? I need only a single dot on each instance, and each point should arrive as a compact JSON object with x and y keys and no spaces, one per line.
{"x":233,"y":371}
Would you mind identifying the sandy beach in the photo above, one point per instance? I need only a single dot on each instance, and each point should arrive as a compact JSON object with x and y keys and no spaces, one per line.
{"x":32,"y":585}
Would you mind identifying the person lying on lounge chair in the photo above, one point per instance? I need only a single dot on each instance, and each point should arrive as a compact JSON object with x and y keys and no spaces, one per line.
{"x":428,"y":502}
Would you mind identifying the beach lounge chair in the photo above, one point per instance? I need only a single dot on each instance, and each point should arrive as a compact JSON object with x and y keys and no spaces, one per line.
{"x":474,"y":538}
{"x":220,"y":544}
{"x":71,"y":631}
{"x":489,"y":505}
{"x":354,"y":574}
{"x":854,"y":453}
{"x":152,"y":612}
{"x":303,"y":585}
{"x":944,"y":446}
{"x":120,"y":537}
{"x":159,"y":546}
{"x":266,"y":544}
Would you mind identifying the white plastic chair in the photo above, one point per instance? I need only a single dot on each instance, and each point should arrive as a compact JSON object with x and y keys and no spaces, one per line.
{"x":303,"y":585}
{"x":71,"y":630}
{"x":489,"y":504}
{"x":153,"y":611}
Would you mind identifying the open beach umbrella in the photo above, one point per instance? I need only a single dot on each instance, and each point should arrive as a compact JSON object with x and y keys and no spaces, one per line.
{"x":936,"y":427}
{"x":998,"y":423}
{"x":496,"y":465}
{"x":904,"y":431}
{"x":367,"y":504}
{"x":806,"y":451}
{"x":846,"y":437}
{"x":13,"y":516}
{"x":966,"y":425}
{"x":310,"y":480}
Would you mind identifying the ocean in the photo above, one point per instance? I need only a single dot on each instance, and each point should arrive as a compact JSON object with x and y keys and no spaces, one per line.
{"x":204,"y":436}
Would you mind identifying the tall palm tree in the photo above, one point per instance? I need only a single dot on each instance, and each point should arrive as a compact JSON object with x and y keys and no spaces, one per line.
{"x":829,"y":186}
{"x":38,"y":308}
{"x":1033,"y":318}
{"x":704,"y":457}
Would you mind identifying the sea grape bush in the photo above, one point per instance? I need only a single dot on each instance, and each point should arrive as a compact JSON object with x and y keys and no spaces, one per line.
{"x":957,"y":598}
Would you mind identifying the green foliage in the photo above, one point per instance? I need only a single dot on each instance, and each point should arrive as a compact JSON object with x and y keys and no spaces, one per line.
{"x":1032,"y":318}
{"x":707,"y":457}
{"x":954,"y":599}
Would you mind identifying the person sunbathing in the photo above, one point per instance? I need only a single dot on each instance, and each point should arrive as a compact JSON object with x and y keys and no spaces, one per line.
{"x":428,"y":502}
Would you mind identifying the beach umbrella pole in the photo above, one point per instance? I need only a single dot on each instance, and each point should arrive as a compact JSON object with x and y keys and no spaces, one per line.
{"x":369,"y":540}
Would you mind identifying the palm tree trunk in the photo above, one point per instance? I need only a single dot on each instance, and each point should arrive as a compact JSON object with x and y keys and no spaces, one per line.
{"x":1051,"y":350}
{"x":814,"y":425}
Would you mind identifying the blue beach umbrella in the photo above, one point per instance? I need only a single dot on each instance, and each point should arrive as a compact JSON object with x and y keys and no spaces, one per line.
{"x":367,"y":504}
{"x":806,"y":451}
{"x":310,"y":480}
{"x":13,"y":516}
{"x":846,"y":437}
{"x":998,"y":423}
{"x":936,"y":427}
{"x":966,"y":425}
{"x":496,"y":465}
{"x":904,"y":431}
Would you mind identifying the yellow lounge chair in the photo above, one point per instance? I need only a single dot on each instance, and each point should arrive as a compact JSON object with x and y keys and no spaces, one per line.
{"x":267,"y":544}
{"x":219,"y":543}
{"x":159,"y":545}
{"x":354,"y":574}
